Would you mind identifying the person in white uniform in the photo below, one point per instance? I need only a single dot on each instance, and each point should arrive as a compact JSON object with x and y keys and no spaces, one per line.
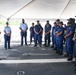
{"x":7,"y":36}
{"x":23,"y":27}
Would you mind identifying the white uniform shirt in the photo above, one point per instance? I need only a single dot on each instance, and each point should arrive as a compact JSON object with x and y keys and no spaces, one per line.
{"x":7,"y":29}
{"x":23,"y":26}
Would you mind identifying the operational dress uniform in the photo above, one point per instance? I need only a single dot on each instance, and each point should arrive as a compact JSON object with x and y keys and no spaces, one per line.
{"x":68,"y":41}
{"x":37,"y":31}
{"x":41,"y":33}
{"x":47,"y":34}
{"x":55,"y":41}
{"x":7,"y":36}
{"x":74,"y":39}
{"x":53,"y":35}
{"x":23,"y":28}
{"x":32,"y":33}
{"x":59,"y":38}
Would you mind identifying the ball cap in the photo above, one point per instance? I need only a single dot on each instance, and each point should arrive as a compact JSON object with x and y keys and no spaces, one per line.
{"x":7,"y":23}
{"x":38,"y":21}
{"x":47,"y":21}
{"x":54,"y":22}
{"x":61,"y":23}
{"x":58,"y":20}
{"x":70,"y":19}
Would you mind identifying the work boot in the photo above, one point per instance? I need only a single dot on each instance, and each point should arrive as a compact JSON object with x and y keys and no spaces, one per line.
{"x":66,"y":55}
{"x":75,"y":70}
{"x":52,"y":46}
{"x":74,"y":64}
{"x":60,"y":53}
{"x":5,"y":48}
{"x":48,"y":45}
{"x":55,"y":48}
{"x":70,"y":58}
{"x":57,"y":51}
{"x":35,"y":45}
{"x":40,"y":45}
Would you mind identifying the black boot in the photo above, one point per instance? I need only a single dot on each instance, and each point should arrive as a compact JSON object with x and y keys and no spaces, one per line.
{"x":52,"y":46}
{"x":35,"y":45}
{"x":70,"y":58}
{"x":74,"y":64}
{"x":57,"y":51}
{"x":40,"y":45}
{"x":66,"y":55}
{"x":55,"y":48}
{"x":60,"y":53}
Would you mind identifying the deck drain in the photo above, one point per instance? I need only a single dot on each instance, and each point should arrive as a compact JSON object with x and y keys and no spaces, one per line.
{"x":20,"y":73}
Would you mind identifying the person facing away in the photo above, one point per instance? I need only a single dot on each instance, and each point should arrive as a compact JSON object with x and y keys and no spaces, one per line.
{"x":38,"y":31}
{"x":23,"y":27}
{"x":47,"y":31}
{"x":32,"y":33}
{"x":7,"y":36}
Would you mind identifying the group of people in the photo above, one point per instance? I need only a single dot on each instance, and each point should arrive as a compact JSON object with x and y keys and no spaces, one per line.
{"x":36,"y":32}
{"x":64,"y":36}
{"x":61,"y":35}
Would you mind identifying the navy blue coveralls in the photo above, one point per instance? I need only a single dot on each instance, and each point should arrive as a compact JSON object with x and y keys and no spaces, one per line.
{"x":31,"y":33}
{"x":75,"y":46}
{"x":75,"y":49}
{"x":60,"y":40}
{"x":69,"y":41}
{"x":38,"y":36}
{"x":56,"y":30}
{"x":47,"y":36}
{"x":41,"y":34}
{"x":53,"y":35}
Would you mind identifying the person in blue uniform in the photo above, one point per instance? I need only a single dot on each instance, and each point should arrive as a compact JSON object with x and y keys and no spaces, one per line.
{"x":53,"y":35}
{"x":7,"y":36}
{"x":47,"y":34}
{"x":23,"y":27}
{"x":72,"y":20}
{"x":69,"y":33}
{"x":56,"y":30}
{"x":41,"y":33}
{"x":37,"y":31}
{"x":59,"y":38}
{"x":31,"y":33}
{"x":74,"y":39}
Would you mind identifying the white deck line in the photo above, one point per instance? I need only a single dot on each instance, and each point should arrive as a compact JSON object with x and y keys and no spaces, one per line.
{"x":35,"y":54}
{"x":33,"y":61}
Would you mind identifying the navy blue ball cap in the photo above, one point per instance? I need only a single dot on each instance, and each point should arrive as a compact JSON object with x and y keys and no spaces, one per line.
{"x":47,"y":21}
{"x":70,"y":19}
{"x":54,"y":22}
{"x":38,"y":21}
{"x":61,"y":22}
{"x":58,"y":20}
{"x":7,"y":23}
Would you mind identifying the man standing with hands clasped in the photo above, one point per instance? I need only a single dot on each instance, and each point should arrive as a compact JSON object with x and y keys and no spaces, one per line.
{"x":23,"y":27}
{"x":7,"y":36}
